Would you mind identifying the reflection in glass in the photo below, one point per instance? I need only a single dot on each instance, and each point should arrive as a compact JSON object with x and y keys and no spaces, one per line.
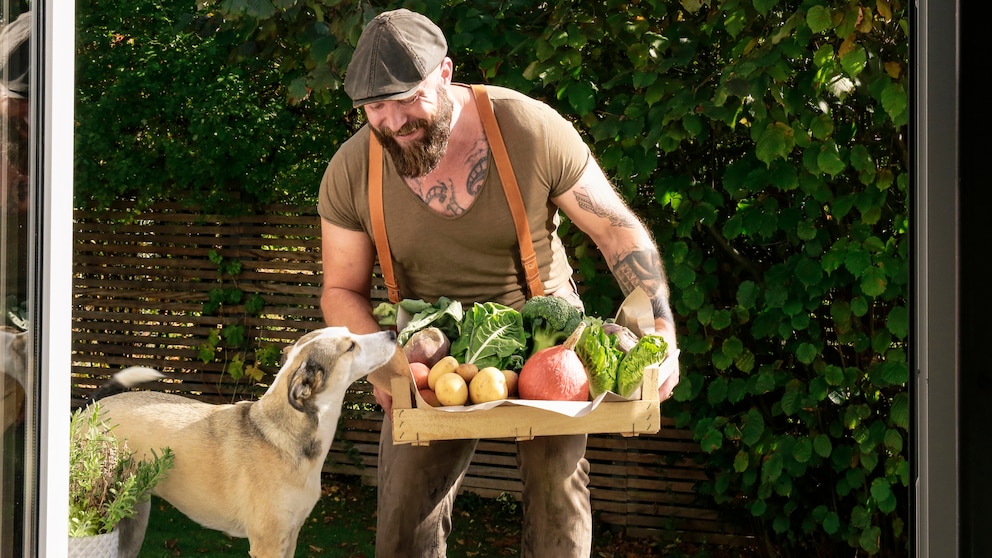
{"x":15,"y":198}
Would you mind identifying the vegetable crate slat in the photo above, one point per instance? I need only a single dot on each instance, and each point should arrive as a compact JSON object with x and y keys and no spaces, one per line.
{"x":422,"y":425}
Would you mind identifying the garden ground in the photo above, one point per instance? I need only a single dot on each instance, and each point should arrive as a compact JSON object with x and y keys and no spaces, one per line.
{"x":342,"y":525}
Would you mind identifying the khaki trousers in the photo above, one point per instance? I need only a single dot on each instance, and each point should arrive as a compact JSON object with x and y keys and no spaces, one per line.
{"x":418,"y":485}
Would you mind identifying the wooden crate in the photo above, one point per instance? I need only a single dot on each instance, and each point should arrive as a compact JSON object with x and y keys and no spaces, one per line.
{"x":422,"y":425}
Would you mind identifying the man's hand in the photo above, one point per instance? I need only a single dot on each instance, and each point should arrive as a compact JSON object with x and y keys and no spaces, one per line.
{"x":385,"y":400}
{"x":667,"y":330}
{"x":666,"y":389}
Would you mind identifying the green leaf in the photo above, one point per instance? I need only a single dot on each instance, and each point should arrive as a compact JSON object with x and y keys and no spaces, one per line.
{"x":582,"y":97}
{"x":772,"y":467}
{"x":807,"y":353}
{"x":869,"y":539}
{"x":752,"y":428}
{"x":712,"y":441}
{"x":895,"y":373}
{"x":764,"y":6}
{"x":809,"y":271}
{"x":776,"y":142}
{"x":803,"y":450}
{"x":874,"y":282}
{"x":791,"y":400}
{"x":807,"y":230}
{"x":898,"y":321}
{"x":759,"y":507}
{"x":854,"y":62}
{"x":747,"y":294}
{"x":894,"y":100}
{"x":717,"y":392}
{"x":822,"y":127}
{"x":829,"y":160}
{"x":741,"y":461}
{"x":736,"y":391}
{"x":893,"y":441}
{"x":857,"y":260}
{"x":819,"y":19}
{"x":236,"y":368}
{"x":721,"y":320}
{"x":831,"y":523}
{"x":822,"y":445}
{"x":899,"y":413}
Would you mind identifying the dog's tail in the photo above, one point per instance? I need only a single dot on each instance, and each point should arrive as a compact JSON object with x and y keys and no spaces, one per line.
{"x":126,"y":379}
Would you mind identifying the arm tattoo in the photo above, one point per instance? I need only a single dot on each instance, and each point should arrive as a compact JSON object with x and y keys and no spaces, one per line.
{"x":596,"y":207}
{"x":643,"y":268}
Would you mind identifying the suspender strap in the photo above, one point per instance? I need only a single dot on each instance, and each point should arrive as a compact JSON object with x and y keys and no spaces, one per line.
{"x":510,"y":188}
{"x":378,"y":218}
{"x":527,"y":256}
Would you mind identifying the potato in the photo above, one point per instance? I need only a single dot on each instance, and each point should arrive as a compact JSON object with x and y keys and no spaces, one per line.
{"x":430,"y":397}
{"x":451,"y":389}
{"x":511,"y":382}
{"x":467,"y":371}
{"x":442,"y":367}
{"x":428,"y":346}
{"x":421,"y":372}
{"x":488,"y":385}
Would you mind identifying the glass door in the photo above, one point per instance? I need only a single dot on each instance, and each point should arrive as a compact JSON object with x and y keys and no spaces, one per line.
{"x":36,"y":75}
{"x":16,"y":196}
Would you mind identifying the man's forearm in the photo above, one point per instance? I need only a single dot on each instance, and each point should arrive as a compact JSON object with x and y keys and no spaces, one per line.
{"x":341,"y":307}
{"x":643,"y":268}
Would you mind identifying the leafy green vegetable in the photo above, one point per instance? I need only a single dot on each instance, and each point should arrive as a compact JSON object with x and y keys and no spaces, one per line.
{"x":650,"y":349}
{"x":599,"y":354}
{"x":385,"y":314}
{"x":491,"y":335}
{"x":445,"y":314}
{"x":549,"y":320}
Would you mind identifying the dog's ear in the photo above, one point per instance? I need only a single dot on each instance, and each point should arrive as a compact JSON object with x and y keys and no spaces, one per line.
{"x":306,"y":381}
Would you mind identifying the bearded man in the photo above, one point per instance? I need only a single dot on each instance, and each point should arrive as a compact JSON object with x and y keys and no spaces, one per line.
{"x":451,"y":232}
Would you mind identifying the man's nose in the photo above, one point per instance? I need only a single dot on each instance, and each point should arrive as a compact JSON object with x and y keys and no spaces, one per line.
{"x":393,"y":118}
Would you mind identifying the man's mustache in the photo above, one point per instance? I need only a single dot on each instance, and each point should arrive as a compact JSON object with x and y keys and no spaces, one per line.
{"x":407,"y":128}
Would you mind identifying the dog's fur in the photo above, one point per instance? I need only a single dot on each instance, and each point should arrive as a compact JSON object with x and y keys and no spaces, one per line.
{"x":252,"y":469}
{"x":13,"y":373}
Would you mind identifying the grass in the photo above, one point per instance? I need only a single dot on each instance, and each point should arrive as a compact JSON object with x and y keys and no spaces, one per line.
{"x":342,"y":525}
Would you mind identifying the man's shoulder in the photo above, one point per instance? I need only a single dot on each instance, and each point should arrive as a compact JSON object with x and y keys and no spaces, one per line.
{"x":351,"y":150}
{"x":506,"y":95}
{"x":512,"y":105}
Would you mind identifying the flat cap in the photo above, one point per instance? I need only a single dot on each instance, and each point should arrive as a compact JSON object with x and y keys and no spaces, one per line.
{"x":397,"y":50}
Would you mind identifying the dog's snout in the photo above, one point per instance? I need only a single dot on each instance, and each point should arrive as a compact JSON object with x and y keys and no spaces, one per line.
{"x":392,"y":335}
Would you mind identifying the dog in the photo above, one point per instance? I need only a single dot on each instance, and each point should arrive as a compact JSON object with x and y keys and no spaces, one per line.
{"x":252,"y":469}
{"x":13,"y":375}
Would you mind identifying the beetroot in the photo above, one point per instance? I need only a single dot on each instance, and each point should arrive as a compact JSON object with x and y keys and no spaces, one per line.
{"x":555,"y":373}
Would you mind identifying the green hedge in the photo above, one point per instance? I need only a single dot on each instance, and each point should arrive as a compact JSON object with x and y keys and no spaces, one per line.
{"x":763,"y":141}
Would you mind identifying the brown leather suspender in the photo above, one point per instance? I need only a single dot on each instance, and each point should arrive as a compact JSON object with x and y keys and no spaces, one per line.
{"x":378,"y":220}
{"x":527,"y":256}
{"x":510,"y":187}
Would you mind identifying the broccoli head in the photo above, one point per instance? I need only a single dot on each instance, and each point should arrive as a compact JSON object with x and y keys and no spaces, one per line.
{"x":549,"y":320}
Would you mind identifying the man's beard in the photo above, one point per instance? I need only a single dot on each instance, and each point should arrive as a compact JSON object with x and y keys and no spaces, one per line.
{"x":422,"y":156}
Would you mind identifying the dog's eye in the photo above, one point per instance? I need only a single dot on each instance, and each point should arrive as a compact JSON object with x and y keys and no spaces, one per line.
{"x":351,"y":346}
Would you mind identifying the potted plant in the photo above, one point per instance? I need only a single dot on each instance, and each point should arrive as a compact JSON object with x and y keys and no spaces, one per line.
{"x":106,"y":482}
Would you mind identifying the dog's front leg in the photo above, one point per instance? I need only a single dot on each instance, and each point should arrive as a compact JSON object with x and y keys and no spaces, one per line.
{"x":276,"y":542}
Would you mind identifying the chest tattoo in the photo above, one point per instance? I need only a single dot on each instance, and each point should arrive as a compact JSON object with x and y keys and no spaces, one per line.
{"x":441,"y":196}
{"x":478,"y":162}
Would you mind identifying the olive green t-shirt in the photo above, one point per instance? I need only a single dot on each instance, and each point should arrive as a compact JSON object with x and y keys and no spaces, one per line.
{"x":472,"y":257}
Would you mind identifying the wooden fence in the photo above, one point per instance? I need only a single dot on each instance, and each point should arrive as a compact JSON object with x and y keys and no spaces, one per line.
{"x":143,"y":281}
